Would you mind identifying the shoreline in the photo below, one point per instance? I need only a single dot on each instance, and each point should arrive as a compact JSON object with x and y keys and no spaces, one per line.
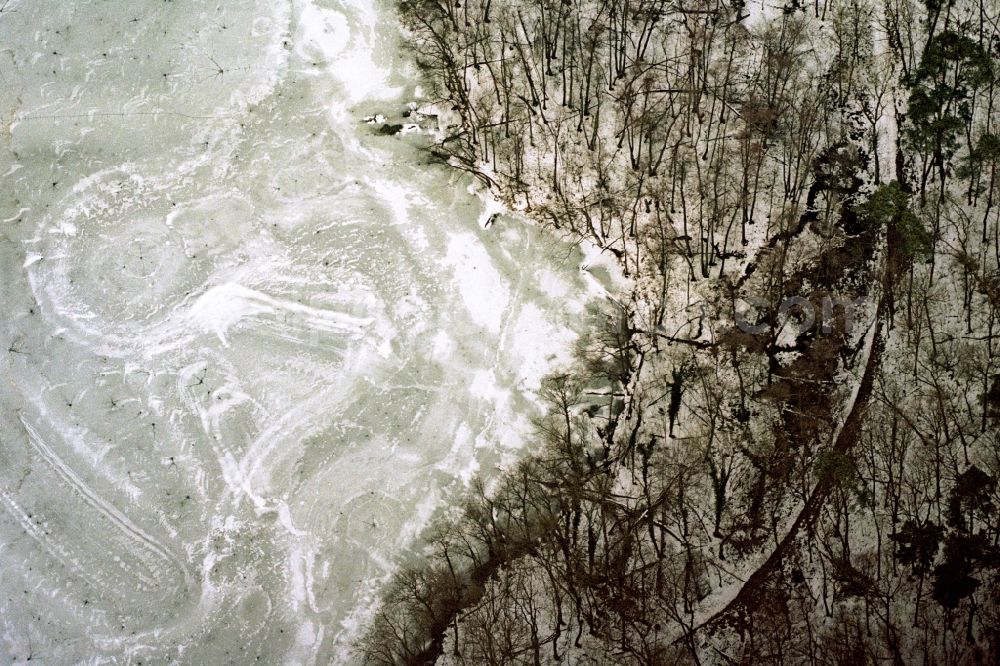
{"x":751,"y":452}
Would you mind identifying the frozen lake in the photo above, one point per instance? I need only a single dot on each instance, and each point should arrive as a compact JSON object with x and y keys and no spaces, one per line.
{"x":248,"y":345}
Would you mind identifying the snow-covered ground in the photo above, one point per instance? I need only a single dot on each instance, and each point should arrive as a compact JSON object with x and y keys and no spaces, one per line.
{"x":248,"y":344}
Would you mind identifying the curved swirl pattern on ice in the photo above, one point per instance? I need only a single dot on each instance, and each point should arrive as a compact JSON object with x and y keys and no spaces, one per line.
{"x":248,"y":344}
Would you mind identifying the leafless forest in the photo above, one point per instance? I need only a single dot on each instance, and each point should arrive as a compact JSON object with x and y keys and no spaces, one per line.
{"x":782,"y":446}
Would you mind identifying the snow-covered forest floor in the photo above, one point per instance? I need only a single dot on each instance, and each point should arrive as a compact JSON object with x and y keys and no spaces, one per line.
{"x":783,"y":446}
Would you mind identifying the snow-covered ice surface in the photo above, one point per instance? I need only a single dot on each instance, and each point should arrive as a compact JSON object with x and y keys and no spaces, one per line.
{"x":248,"y":345}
